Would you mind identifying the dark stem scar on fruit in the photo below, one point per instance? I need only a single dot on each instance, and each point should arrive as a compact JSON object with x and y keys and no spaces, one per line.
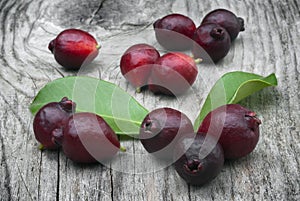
{"x":67,"y":105}
{"x":193,"y":165}
{"x":51,"y":45}
{"x":254,"y":116}
{"x":241,"y":21}
{"x":217,"y":33}
{"x":148,"y":125}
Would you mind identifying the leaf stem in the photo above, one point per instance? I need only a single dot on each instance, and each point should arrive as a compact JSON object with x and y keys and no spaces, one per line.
{"x":138,"y":90}
{"x":41,"y":147}
{"x":198,"y":60}
{"x":122,"y":149}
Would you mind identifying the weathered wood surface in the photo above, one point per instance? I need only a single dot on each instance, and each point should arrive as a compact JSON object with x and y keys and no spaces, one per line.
{"x":269,"y":44}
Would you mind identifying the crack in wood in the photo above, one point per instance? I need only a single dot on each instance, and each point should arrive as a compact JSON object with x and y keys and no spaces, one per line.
{"x":189,"y":192}
{"x":58,"y":177}
{"x":96,"y":12}
{"x":16,"y":114}
{"x":39,"y":176}
{"x":111,"y":184}
{"x":23,"y":181}
{"x":7,"y":180}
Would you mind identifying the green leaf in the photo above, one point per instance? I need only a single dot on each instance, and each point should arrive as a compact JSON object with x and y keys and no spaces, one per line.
{"x":232,"y":88}
{"x":120,"y":110}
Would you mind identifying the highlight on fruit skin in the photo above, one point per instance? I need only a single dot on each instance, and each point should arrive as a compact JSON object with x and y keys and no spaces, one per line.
{"x":87,"y":138}
{"x":136,"y":64}
{"x":161,"y":129}
{"x":173,"y":74}
{"x":74,"y":48}
{"x":211,"y":42}
{"x":174,"y":32}
{"x":236,"y":128}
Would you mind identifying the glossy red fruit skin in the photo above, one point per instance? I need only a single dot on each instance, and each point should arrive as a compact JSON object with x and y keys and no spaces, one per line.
{"x":226,"y":19}
{"x":239,"y":129}
{"x":136,"y":64}
{"x":49,"y":122}
{"x":73,"y":48}
{"x":194,"y":169}
{"x":214,"y":39}
{"x":161,"y":129}
{"x":87,"y":138}
{"x":174,"y":32}
{"x":173,"y":74}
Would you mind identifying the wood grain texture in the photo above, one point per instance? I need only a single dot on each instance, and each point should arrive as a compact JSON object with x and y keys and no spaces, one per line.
{"x":269,"y":44}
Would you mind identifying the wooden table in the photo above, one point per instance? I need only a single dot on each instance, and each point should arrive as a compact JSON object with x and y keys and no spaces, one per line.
{"x":269,"y":44}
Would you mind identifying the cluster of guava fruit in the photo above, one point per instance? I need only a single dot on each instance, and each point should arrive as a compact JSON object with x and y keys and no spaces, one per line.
{"x":84,"y":137}
{"x":175,"y":72}
{"x":228,"y":132}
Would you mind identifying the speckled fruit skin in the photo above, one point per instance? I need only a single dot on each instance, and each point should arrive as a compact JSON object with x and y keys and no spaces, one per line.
{"x":239,"y":129}
{"x":214,"y":39}
{"x":173,"y":74}
{"x":73,"y":48}
{"x":174,"y":31}
{"x":194,"y":169}
{"x":161,"y":129}
{"x":136,"y":64}
{"x":87,"y":138}
{"x":49,"y":121}
{"x":226,"y":19}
